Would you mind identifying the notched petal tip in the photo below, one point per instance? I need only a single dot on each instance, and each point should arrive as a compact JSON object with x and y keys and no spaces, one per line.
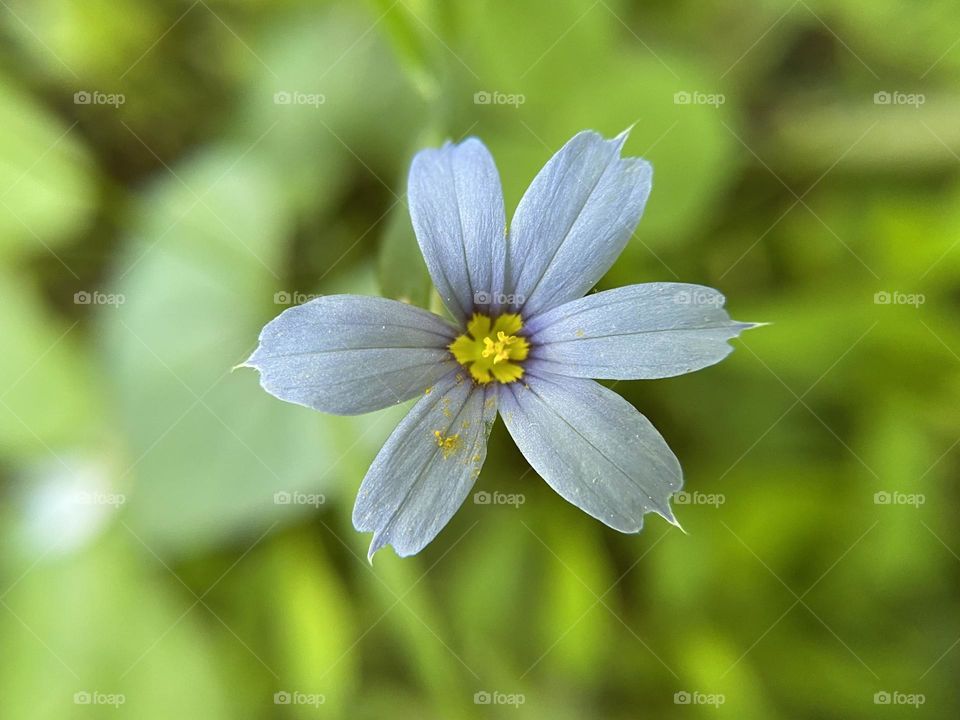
{"x":671,"y":518}
{"x":471,"y":141}
{"x":625,"y":133}
{"x":377,"y":543}
{"x":742,"y":327}
{"x":595,"y":449}
{"x":575,"y":219}
{"x":252,"y":360}
{"x":618,"y":140}
{"x":448,"y":146}
{"x":381,"y":540}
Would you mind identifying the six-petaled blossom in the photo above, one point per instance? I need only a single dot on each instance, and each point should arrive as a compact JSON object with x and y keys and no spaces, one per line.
{"x":525,"y":342}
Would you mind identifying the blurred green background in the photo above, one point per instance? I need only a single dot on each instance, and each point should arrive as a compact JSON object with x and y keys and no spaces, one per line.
{"x":177,"y":543}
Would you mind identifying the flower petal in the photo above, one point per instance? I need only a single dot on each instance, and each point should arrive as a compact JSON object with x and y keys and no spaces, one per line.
{"x":574,"y":221}
{"x":652,"y":330}
{"x":593,"y":448}
{"x":456,"y":205}
{"x":426,"y":468}
{"x":350,"y":354}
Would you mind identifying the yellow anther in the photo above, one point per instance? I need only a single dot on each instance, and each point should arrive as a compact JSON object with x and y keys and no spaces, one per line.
{"x":448,"y":444}
{"x":498,"y":349}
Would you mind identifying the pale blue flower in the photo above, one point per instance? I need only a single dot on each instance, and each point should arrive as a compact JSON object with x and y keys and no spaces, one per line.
{"x":524,"y":343}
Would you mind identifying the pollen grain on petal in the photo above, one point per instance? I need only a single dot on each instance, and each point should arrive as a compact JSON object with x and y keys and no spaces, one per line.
{"x":448,"y":444}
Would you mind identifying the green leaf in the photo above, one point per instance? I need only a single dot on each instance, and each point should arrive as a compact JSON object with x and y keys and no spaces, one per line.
{"x":112,"y":627}
{"x":405,"y":29}
{"x":572,"y":616}
{"x":401,"y":269}
{"x":49,"y":398}
{"x":209,"y":448}
{"x":315,"y":630}
{"x":46,"y":188}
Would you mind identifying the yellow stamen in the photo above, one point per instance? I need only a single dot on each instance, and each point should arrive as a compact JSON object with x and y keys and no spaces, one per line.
{"x":492,"y":349}
{"x":448,"y":445}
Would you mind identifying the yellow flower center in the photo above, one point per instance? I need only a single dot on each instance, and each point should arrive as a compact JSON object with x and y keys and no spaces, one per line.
{"x":491,"y":349}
